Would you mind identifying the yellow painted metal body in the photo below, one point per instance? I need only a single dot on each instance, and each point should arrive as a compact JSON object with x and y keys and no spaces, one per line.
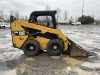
{"x":43,"y":42}
{"x":18,"y":41}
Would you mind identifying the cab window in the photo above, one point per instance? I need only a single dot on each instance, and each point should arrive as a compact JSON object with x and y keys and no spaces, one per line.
{"x":45,"y":21}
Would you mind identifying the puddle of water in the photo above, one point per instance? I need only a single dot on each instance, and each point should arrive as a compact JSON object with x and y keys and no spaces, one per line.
{"x":21,"y":69}
{"x":73,"y":62}
{"x":8,"y":72}
{"x":55,"y":57}
{"x":30,"y":59}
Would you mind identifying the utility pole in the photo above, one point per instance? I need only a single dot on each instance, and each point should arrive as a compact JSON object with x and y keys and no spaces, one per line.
{"x":83,"y":8}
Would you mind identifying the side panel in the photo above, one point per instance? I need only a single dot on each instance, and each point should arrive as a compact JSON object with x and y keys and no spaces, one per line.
{"x":43,"y":42}
{"x":15,"y":26}
{"x":17,"y":40}
{"x":44,"y":29}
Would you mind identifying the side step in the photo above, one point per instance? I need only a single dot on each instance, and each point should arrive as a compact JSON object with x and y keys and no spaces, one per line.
{"x":75,"y":50}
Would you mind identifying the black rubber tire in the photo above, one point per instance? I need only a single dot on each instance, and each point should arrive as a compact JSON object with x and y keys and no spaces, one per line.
{"x":58,"y":51}
{"x":3,"y":27}
{"x":29,"y":52}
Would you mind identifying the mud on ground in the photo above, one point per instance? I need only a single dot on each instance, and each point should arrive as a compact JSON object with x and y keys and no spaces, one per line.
{"x":14,"y":62}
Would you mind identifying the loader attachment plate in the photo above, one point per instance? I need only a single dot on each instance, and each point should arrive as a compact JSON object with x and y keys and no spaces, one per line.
{"x":75,"y":50}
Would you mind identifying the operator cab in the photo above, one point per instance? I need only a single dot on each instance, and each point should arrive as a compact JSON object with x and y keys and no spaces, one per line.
{"x":45,"y":18}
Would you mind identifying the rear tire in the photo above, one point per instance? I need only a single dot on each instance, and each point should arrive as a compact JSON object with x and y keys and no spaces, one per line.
{"x":31,"y":48}
{"x":58,"y":47}
{"x":3,"y":27}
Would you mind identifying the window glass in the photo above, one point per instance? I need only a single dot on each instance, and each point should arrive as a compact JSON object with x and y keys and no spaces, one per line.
{"x":45,"y":21}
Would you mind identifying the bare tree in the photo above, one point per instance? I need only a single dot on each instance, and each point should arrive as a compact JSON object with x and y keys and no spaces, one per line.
{"x":21,"y":17}
{"x":58,"y":15}
{"x":76,"y":19}
{"x":65,"y":15}
{"x":11,"y":12}
{"x":16,"y":15}
{"x":72,"y":19}
{"x":1,"y":14}
{"x":6,"y":16}
{"x":26,"y":18}
{"x":47,"y":8}
{"x":46,"y":19}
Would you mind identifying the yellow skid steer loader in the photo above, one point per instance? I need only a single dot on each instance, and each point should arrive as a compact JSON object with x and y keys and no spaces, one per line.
{"x":33,"y":37}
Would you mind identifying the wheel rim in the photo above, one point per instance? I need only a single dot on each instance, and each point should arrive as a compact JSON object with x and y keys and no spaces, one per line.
{"x":30,"y":47}
{"x":3,"y":27}
{"x":55,"y":47}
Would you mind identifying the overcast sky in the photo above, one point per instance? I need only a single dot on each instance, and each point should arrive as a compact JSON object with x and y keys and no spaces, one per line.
{"x":74,"y":7}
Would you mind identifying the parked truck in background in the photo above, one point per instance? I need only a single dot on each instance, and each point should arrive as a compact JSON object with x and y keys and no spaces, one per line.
{"x":4,"y":25}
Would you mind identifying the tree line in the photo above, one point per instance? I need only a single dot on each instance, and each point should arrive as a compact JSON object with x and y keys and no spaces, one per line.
{"x":16,"y":14}
{"x":83,"y":19}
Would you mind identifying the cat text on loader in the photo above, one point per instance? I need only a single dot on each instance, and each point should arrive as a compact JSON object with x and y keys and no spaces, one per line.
{"x":33,"y":37}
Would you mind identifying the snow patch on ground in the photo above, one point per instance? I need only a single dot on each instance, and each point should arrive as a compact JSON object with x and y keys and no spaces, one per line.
{"x":87,"y":41}
{"x":91,"y":65}
{"x":8,"y":45}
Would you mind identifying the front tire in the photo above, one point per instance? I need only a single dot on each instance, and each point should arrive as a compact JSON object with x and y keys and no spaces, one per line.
{"x":31,"y":48}
{"x":55,"y":47}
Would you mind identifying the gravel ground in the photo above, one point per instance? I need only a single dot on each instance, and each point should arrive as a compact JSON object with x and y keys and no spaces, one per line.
{"x":14,"y":62}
